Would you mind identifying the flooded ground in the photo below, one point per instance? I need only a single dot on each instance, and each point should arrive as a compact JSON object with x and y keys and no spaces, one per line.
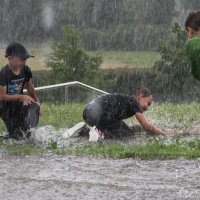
{"x":45,"y":135}
{"x":70,"y":177}
{"x":53,"y":177}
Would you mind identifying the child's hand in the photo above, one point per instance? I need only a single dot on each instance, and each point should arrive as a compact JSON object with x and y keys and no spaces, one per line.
{"x":26,"y":99}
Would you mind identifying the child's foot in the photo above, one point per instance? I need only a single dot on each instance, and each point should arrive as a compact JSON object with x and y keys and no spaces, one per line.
{"x":74,"y":131}
{"x":96,"y":135}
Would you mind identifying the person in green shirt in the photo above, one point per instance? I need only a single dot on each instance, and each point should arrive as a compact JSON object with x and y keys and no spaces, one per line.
{"x":192,"y":26}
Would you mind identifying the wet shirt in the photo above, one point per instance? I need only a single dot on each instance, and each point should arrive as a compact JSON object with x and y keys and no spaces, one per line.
{"x":119,"y":106}
{"x":15,"y":83}
{"x":193,"y":50}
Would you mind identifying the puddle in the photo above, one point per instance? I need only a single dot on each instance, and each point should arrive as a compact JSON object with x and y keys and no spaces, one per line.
{"x":71,"y":177}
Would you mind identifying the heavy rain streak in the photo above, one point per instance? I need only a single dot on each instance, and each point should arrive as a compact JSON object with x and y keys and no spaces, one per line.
{"x":99,"y":99}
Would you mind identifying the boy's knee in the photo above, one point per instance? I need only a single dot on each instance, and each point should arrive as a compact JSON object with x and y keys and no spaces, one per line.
{"x":34,"y":106}
{"x":92,"y":114}
{"x":32,"y":116}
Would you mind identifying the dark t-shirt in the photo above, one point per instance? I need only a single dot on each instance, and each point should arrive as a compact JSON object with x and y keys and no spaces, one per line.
{"x":15,"y":83}
{"x":119,"y":106}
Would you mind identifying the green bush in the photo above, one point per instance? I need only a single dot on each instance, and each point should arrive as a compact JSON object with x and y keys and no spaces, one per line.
{"x":69,"y":62}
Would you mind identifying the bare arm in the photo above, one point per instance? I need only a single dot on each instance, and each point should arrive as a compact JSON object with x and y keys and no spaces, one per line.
{"x":31,"y":91}
{"x":19,"y":97}
{"x":147,"y":125}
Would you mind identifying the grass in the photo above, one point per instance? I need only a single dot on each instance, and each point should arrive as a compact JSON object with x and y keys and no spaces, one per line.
{"x":149,"y":151}
{"x":154,"y":150}
{"x":111,"y":59}
{"x":61,"y":116}
{"x":21,"y":149}
{"x":179,"y":116}
{"x":121,"y":59}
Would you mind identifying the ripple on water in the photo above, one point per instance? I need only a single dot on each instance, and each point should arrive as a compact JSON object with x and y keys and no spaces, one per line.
{"x":72,"y":177}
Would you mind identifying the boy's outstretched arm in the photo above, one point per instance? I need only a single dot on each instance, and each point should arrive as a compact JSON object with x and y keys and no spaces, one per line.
{"x":147,"y":125}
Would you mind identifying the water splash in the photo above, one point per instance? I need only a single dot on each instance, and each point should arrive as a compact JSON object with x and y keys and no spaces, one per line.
{"x":47,"y":135}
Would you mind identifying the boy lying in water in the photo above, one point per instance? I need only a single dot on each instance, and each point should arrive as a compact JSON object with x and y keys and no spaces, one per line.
{"x":106,"y":113}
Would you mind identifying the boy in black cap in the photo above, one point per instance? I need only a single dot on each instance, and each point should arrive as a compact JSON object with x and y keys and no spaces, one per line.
{"x":19,"y":112}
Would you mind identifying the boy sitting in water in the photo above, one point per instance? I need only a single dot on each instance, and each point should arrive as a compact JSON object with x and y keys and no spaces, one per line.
{"x":105,"y":115}
{"x":192,"y":26}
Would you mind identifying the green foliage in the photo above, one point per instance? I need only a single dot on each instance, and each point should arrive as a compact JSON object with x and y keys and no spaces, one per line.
{"x":173,"y":52}
{"x":173,"y":68}
{"x":69,"y":62}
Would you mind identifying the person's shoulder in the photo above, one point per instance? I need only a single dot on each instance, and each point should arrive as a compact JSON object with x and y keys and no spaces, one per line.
{"x":102,"y":96}
{"x":26,"y":67}
{"x":27,"y":70}
{"x":113,"y":95}
{"x":122,"y":95}
{"x":5,"y":69}
{"x":193,"y":42}
{"x":4,"y":74}
{"x":119,"y":94}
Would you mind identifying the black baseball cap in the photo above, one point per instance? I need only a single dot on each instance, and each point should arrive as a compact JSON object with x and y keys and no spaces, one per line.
{"x":18,"y":50}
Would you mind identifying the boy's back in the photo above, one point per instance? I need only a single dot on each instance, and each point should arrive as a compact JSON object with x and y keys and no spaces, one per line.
{"x":120,"y":105}
{"x":193,"y":50}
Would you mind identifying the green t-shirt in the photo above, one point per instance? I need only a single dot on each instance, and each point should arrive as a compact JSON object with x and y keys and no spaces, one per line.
{"x":193,"y":50}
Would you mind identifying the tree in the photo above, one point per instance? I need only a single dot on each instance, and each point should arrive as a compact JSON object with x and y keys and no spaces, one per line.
{"x":69,"y":62}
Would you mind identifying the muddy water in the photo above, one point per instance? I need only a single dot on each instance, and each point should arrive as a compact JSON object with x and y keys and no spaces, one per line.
{"x":43,"y":136}
{"x":69,"y":177}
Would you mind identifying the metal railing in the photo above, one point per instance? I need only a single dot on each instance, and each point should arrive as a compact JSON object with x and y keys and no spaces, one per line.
{"x":66,"y":85}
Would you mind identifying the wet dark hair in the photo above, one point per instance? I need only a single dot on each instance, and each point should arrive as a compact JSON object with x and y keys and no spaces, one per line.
{"x":193,"y":20}
{"x":142,"y":90}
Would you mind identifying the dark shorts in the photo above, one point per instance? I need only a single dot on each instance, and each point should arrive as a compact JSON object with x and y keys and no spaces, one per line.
{"x":19,"y":117}
{"x":106,"y":121}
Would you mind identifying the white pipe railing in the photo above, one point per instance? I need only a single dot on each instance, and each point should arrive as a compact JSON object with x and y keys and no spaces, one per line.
{"x":69,"y":84}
